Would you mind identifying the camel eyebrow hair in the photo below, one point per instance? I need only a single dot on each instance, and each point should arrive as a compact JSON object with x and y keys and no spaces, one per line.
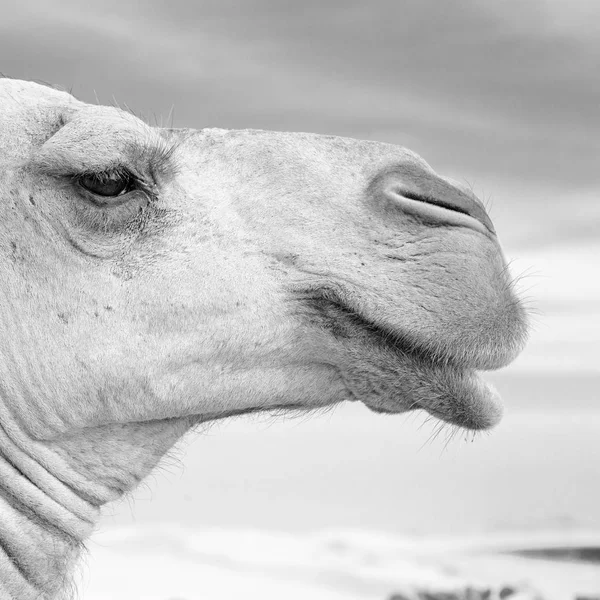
{"x":69,"y":153}
{"x":158,"y":154}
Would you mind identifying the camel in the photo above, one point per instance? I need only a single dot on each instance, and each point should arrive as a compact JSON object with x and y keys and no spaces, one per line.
{"x":154,"y":279}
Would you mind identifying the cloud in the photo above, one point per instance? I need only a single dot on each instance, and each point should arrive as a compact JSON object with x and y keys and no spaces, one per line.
{"x":501,"y":87}
{"x":505,"y":95}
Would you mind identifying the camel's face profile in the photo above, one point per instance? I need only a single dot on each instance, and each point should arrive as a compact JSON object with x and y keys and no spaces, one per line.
{"x":155,"y":278}
{"x":152,"y":273}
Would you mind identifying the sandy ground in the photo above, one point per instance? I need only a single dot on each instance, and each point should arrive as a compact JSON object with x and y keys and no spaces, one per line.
{"x":167,"y":562}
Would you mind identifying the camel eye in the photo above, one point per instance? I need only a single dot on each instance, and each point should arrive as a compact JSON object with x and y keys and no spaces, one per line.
{"x":108,"y":184}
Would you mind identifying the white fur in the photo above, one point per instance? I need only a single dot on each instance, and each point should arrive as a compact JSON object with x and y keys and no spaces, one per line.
{"x":214,"y":291}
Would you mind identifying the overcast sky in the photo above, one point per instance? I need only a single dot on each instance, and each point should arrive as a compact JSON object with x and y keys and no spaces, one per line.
{"x":505,"y":95}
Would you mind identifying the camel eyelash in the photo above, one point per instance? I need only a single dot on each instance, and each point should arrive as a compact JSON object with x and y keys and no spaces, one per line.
{"x":113,"y":201}
{"x":111,"y":184}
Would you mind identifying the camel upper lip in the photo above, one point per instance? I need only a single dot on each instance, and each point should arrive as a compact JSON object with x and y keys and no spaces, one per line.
{"x":384,"y":335}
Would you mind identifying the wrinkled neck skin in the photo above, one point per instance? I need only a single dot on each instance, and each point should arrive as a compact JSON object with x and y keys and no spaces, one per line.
{"x":51,"y":493}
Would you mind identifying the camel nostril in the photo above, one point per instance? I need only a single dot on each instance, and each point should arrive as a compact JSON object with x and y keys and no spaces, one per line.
{"x":433,"y":199}
{"x":443,"y":204}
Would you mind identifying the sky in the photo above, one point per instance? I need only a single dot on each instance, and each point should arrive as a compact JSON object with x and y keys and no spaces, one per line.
{"x":502,"y":95}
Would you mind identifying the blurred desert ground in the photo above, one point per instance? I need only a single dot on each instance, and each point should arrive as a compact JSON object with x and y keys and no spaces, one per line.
{"x":504,"y":96}
{"x":353,"y":505}
{"x":350,"y":468}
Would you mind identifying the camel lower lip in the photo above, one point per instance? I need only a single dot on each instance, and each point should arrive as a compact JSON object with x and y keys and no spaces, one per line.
{"x":453,"y":393}
{"x":464,"y":399}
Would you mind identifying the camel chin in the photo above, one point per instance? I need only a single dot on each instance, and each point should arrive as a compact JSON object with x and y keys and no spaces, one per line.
{"x":448,"y":390}
{"x":456,"y":395}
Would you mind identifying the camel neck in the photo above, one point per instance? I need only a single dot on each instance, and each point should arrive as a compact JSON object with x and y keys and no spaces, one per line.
{"x":51,"y":493}
{"x":43,"y":523}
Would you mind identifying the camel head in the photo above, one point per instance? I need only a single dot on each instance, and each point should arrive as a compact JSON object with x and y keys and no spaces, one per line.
{"x":156,"y":278}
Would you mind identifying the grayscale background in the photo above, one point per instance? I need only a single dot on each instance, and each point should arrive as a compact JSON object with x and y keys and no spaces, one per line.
{"x":503,"y":95}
